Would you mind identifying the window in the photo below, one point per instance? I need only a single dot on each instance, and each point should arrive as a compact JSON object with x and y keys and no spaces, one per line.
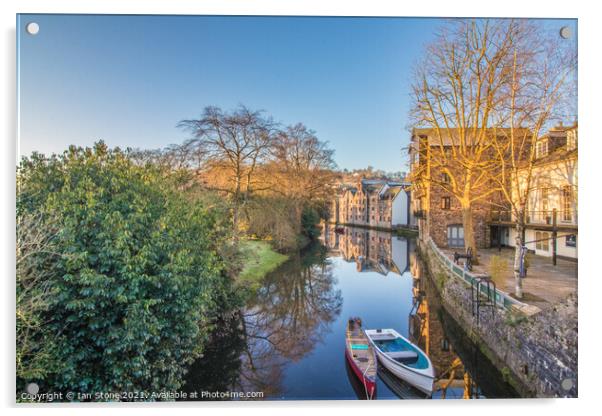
{"x":455,"y":236}
{"x":445,"y":178}
{"x":541,"y":149}
{"x":571,"y":240}
{"x":446,"y":202}
{"x":542,"y":241}
{"x":566,"y":197}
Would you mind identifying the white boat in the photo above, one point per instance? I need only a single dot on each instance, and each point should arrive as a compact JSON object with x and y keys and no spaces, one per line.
{"x":402,"y":358}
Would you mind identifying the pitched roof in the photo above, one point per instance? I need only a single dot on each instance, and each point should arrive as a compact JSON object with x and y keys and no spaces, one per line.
{"x":450,"y":137}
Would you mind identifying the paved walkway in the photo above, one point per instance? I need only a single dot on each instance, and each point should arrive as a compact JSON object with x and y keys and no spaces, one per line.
{"x":545,"y":283}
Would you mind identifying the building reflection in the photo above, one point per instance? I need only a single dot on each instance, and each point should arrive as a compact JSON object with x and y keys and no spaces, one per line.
{"x":385,"y":253}
{"x":426,"y":330}
{"x":371,"y":250}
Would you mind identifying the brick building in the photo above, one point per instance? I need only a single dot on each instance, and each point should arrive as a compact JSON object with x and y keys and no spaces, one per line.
{"x":376,"y":203}
{"x":554,"y":190}
{"x":438,"y":212}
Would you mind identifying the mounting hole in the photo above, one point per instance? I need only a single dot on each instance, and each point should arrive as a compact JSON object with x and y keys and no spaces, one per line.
{"x":567,"y":384}
{"x":32,"y":28}
{"x":32,"y":388}
{"x":565,"y":32}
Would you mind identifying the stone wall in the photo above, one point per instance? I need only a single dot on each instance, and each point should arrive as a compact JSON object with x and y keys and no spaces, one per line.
{"x":441,"y":218}
{"x":538,"y":354}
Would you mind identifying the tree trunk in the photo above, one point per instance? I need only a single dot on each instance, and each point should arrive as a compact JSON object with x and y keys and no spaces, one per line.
{"x":298,"y":213}
{"x":519,"y":242}
{"x":235,"y":214}
{"x":469,"y":238}
{"x":236,"y":205}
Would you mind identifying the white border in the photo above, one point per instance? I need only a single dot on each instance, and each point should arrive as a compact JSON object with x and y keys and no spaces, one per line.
{"x":589,"y":123}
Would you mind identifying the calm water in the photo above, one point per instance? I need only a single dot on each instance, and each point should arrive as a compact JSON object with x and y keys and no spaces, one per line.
{"x":289,"y":341}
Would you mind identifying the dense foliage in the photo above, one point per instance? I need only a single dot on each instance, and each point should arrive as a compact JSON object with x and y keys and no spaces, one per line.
{"x":309,"y":223}
{"x":137,"y":281}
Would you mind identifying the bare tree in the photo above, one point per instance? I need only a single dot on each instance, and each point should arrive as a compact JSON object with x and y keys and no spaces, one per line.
{"x":304,"y":164}
{"x":486,"y":91}
{"x":36,"y":258}
{"x":455,"y":91}
{"x":232,"y":145}
{"x":301,"y":168}
{"x":537,"y":92}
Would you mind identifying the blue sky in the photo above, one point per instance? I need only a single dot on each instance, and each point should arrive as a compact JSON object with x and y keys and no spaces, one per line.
{"x":129,"y":79}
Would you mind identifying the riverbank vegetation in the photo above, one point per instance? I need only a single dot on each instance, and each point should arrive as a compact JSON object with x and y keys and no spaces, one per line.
{"x":276,"y":180}
{"x":128,"y":259}
{"x":258,"y":260}
{"x":119,"y":277}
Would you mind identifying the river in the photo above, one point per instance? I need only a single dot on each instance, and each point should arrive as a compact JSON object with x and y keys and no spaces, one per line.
{"x":289,"y":341}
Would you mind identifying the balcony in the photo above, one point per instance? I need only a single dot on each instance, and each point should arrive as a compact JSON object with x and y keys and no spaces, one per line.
{"x":499,"y":216}
{"x":564,"y":219}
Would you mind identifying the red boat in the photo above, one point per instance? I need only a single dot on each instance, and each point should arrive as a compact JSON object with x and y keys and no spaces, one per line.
{"x":361,"y":356}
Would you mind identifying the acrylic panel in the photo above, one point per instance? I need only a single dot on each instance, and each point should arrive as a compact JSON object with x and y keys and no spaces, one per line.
{"x":295,"y":208}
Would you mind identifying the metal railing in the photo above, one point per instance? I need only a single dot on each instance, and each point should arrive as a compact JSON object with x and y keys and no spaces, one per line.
{"x":543,"y":217}
{"x":501,"y":298}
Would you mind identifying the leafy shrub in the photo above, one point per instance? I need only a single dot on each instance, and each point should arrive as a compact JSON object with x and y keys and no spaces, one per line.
{"x":139,"y":280}
{"x":310,"y":219}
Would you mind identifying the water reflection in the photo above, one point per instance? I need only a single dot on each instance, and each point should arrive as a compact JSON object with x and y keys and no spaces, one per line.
{"x":219,"y":367}
{"x":462,"y":370}
{"x":426,"y":331}
{"x":289,"y":341}
{"x":371,"y":250}
{"x":288,"y":316}
{"x":358,"y":388}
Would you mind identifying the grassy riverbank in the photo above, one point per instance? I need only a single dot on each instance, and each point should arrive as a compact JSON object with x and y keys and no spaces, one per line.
{"x":259,"y":258}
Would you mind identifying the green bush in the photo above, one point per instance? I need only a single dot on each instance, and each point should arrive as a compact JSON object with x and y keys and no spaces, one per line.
{"x":310,"y":218}
{"x":138,"y":282}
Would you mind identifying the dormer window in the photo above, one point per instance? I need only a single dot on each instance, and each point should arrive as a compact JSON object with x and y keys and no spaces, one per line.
{"x":541,"y":148}
{"x":571,"y":140}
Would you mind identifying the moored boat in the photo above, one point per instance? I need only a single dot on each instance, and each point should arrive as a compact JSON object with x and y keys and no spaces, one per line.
{"x":361,"y":356}
{"x":403,"y":358}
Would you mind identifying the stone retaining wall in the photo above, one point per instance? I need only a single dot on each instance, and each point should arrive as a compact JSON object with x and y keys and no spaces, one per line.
{"x":537,"y":353}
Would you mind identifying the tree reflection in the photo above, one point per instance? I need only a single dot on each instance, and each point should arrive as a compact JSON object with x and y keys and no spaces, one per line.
{"x":219,"y":367}
{"x":288,"y":316}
